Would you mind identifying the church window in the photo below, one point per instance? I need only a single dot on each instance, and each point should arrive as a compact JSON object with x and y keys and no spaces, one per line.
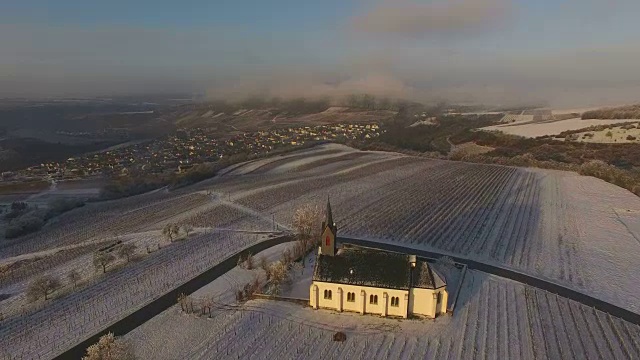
{"x":327,"y":241}
{"x":327,"y":294}
{"x":373,"y":299}
{"x":351,"y":297}
{"x":395,"y":301}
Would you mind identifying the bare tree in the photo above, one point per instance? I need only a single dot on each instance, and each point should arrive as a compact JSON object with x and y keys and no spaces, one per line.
{"x":307,"y":220}
{"x":205,"y":305}
{"x":170,"y":231}
{"x":110,"y":347}
{"x":102,"y":259}
{"x":187,"y":229}
{"x":126,"y":251}
{"x":182,"y":301}
{"x":43,"y":287}
{"x":240,"y":262}
{"x":264,"y":264}
{"x":287,"y":257}
{"x":248,"y":262}
{"x":74,"y":276}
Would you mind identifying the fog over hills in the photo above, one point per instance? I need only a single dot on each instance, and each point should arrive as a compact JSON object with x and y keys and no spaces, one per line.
{"x":489,"y":51}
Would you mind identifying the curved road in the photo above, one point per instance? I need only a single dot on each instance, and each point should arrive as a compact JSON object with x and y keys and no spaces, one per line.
{"x":169,"y":299}
{"x":509,"y":274}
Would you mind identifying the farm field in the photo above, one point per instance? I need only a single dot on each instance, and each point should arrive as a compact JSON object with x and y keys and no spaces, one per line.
{"x":552,"y":127}
{"x":578,"y":231}
{"x":552,"y":224}
{"x":494,"y":319}
{"x":70,"y":318}
{"x":617,"y":134}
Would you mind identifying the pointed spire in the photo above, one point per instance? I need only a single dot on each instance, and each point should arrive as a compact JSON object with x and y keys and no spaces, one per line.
{"x":329,"y":214}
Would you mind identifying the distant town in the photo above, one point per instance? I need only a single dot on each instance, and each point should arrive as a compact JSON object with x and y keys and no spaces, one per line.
{"x":184,"y":149}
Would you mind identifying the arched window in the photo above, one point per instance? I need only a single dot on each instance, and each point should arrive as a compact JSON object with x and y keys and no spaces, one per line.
{"x":373,"y":299}
{"x":327,"y":241}
{"x":395,"y":301}
{"x":351,"y":297}
{"x":327,"y":294}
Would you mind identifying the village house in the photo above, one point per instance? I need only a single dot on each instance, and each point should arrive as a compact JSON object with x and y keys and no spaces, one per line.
{"x":371,"y":281}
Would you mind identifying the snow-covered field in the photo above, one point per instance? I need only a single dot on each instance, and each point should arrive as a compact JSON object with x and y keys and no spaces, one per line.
{"x":578,"y":231}
{"x":616,"y":135}
{"x":540,"y":222}
{"x":495,"y":319}
{"x":550,"y":127}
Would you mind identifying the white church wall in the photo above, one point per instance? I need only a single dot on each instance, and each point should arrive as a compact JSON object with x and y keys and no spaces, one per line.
{"x":361,"y":303}
{"x":424,"y":302}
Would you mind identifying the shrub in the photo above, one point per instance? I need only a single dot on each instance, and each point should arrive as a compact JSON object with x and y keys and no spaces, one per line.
{"x":110,"y":347}
{"x":279,"y":276}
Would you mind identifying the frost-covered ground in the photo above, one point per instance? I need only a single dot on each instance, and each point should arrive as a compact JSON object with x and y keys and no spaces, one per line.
{"x":495,"y":319}
{"x":301,"y":280}
{"x":536,"y":129}
{"x":556,"y":225}
{"x":574,"y":230}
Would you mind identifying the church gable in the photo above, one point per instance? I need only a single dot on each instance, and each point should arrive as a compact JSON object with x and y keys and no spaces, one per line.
{"x":327,"y":237}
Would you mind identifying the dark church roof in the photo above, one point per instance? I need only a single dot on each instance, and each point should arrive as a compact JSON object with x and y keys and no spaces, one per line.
{"x":375,"y":268}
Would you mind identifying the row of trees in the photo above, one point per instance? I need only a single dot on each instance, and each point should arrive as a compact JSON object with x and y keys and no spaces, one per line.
{"x":173,"y":232}
{"x":44,"y":286}
{"x":624,"y":112}
{"x":102,"y":259}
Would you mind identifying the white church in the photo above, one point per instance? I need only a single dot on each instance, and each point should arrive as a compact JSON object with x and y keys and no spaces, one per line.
{"x":372,"y":281}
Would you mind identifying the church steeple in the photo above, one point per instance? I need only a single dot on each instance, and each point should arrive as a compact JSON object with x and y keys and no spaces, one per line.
{"x":329,"y":232}
{"x":329,"y":220}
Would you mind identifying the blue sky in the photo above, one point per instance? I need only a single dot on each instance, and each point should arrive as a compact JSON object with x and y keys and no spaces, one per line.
{"x":482,"y":50}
